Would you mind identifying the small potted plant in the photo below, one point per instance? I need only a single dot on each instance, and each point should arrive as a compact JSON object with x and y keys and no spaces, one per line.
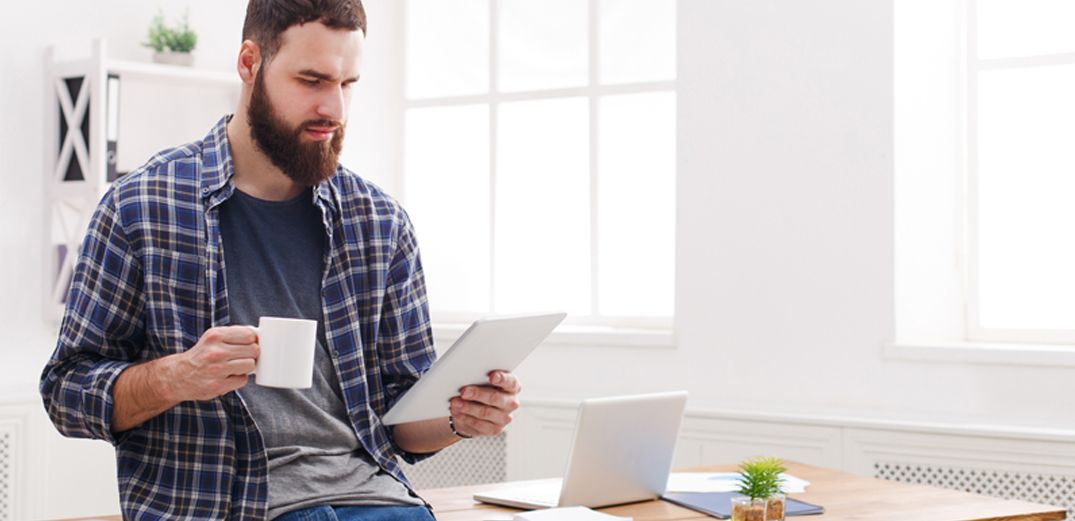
{"x":761,"y":485}
{"x":171,"y":44}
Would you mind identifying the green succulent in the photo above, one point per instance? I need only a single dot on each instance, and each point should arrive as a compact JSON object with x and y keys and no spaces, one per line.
{"x":760,"y":477}
{"x":178,"y":38}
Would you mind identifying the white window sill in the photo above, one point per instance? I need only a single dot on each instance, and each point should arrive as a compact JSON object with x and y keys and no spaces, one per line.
{"x":572,"y":335}
{"x":1050,"y":355}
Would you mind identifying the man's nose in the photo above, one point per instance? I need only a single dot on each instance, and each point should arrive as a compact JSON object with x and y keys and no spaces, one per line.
{"x":332,"y":104}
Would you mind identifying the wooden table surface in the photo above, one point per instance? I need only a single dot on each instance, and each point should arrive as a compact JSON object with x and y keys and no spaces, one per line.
{"x":844,"y":496}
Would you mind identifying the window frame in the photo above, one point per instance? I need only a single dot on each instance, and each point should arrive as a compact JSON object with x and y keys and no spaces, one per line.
{"x":618,"y":330}
{"x":973,"y":66}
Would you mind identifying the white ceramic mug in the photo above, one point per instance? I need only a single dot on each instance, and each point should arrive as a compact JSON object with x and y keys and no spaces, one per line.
{"x":287,"y":352}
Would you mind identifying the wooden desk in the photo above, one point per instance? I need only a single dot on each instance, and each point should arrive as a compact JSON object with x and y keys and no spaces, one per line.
{"x":844,"y":496}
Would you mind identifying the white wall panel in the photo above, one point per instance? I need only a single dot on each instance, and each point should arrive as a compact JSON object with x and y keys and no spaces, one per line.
{"x":12,"y":468}
{"x":863,"y":448}
{"x":1036,"y":463}
{"x":722,"y":440}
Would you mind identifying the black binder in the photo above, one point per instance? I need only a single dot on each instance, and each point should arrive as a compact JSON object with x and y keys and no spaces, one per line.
{"x":112,"y":127}
{"x":719,"y":504}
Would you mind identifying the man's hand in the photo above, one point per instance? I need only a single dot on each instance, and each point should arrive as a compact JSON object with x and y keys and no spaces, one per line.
{"x":484,"y":410}
{"x":219,"y":363}
{"x":480,"y":410}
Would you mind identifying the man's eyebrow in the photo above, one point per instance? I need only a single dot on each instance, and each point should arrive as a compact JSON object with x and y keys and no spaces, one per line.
{"x":316,"y":74}
{"x":324,"y":77}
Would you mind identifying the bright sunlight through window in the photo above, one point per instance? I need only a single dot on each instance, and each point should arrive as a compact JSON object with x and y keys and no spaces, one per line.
{"x":539,"y":156}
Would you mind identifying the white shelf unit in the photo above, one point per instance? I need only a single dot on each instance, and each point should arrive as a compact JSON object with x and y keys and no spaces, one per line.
{"x":76,"y":146}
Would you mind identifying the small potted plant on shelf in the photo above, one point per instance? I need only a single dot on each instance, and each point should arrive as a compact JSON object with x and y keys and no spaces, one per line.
{"x":171,"y":44}
{"x":761,"y":485}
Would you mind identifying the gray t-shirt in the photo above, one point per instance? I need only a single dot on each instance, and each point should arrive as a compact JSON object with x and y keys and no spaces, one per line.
{"x":273,"y":254}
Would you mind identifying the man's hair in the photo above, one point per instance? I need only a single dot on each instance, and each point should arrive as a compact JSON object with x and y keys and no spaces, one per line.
{"x":267,"y":19}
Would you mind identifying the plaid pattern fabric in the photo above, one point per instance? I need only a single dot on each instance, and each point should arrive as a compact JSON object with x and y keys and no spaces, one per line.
{"x":150,"y":280}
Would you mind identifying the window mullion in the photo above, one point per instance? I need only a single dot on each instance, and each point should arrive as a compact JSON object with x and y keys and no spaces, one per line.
{"x":494,"y":105}
{"x":544,"y":94}
{"x":1018,"y":62}
{"x":594,"y":80}
{"x":970,"y":178}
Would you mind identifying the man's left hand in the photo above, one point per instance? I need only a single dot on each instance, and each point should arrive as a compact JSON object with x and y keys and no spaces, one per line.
{"x":484,"y":410}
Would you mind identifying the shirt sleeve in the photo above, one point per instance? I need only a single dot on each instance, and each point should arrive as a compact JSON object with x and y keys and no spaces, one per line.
{"x":406,"y":336}
{"x":102,"y":330}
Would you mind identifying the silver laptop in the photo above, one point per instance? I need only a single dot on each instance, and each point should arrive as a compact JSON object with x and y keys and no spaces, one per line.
{"x":621,"y":453}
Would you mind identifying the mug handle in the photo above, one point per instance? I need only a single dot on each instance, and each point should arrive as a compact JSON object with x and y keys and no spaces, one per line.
{"x":256,"y":332}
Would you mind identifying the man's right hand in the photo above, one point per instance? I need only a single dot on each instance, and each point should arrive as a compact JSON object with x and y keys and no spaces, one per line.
{"x":220,"y":362}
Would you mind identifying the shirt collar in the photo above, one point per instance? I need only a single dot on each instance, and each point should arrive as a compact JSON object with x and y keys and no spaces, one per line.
{"x":218,"y":171}
{"x":217,"y":167}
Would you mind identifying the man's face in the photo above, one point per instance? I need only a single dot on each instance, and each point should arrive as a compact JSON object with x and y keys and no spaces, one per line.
{"x":300,"y":98}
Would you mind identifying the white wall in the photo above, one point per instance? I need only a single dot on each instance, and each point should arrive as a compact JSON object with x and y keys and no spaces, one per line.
{"x":785,"y":236}
{"x":71,"y":26}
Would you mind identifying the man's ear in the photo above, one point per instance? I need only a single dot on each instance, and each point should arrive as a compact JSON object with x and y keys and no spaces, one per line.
{"x":249,"y":61}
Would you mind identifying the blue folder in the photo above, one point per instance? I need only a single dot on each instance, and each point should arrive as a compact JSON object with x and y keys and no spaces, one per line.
{"x":719,"y":504}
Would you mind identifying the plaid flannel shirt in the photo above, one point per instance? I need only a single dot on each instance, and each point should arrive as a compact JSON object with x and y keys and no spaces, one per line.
{"x":150,"y":280}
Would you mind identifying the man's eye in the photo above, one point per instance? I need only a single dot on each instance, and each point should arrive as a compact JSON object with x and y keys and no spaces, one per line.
{"x":311,"y":83}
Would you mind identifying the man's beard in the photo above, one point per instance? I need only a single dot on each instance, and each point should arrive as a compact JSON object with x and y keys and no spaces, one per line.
{"x":307,"y":164}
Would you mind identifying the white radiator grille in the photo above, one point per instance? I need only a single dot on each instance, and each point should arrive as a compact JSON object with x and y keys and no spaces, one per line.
{"x":7,"y":485}
{"x":1038,"y":488}
{"x":469,"y":462}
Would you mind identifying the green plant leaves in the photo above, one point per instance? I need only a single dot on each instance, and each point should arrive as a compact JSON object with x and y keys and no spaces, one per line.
{"x":177,"y":38}
{"x":760,"y":477}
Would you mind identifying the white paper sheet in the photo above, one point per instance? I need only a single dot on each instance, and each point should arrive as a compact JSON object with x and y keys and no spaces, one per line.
{"x":723,"y":482}
{"x":567,"y":514}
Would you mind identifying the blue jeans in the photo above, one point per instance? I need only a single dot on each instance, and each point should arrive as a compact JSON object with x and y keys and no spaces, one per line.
{"x":362,"y":513}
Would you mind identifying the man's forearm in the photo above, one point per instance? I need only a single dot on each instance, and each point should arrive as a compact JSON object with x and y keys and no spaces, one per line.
{"x":424,"y":436}
{"x":141,"y":393}
{"x":219,"y":363}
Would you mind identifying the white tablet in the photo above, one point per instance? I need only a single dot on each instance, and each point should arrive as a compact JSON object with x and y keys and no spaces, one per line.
{"x":489,"y":344}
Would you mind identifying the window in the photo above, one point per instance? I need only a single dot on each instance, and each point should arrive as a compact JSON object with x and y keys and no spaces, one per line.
{"x":985,"y":169}
{"x":1021,"y":169}
{"x":539,"y":156}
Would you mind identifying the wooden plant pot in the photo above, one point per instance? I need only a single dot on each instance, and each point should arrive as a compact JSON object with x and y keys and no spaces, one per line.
{"x":745,"y":509}
{"x":774,"y":507}
{"x":771,"y":509}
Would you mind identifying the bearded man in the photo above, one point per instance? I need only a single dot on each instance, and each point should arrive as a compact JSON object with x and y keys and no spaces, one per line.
{"x":258,"y":219}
